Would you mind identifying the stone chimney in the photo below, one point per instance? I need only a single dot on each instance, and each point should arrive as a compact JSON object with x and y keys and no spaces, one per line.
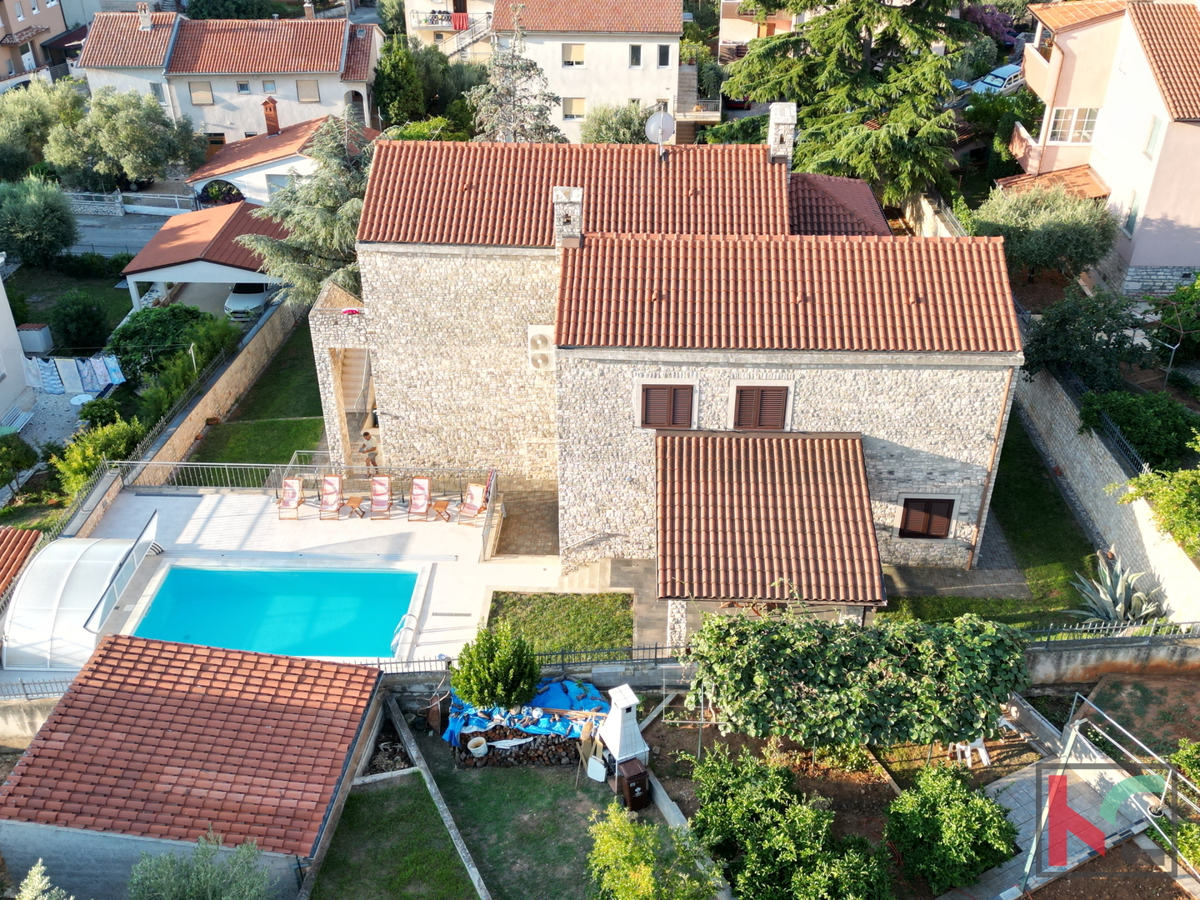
{"x":145,"y":23}
{"x":310,"y":11}
{"x":568,"y":217}
{"x":781,"y":132}
{"x":270,"y":112}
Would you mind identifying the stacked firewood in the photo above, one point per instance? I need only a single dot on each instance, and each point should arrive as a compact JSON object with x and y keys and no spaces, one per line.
{"x":543,"y":750}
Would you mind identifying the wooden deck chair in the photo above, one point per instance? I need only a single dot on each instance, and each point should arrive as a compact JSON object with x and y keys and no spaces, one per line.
{"x":420,"y":506}
{"x":332,"y":497}
{"x":381,"y":496}
{"x":472,"y":508}
{"x":291,"y":497}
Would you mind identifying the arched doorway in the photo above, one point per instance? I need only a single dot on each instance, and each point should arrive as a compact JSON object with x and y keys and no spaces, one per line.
{"x":355,"y":106}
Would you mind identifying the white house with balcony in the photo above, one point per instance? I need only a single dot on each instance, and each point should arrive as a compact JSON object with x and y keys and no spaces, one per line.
{"x":220,"y":71}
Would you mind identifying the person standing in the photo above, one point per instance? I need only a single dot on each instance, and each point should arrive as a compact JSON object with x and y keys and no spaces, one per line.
{"x":370,"y":448}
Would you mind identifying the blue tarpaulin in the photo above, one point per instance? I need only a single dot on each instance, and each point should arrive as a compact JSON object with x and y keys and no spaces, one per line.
{"x":533,"y":718}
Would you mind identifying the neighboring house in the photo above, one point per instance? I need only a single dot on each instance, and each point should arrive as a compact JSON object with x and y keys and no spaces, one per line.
{"x":25,"y":27}
{"x":219,"y":71}
{"x":1121,"y":84}
{"x":740,"y":24}
{"x":645,"y":294}
{"x":155,"y":743}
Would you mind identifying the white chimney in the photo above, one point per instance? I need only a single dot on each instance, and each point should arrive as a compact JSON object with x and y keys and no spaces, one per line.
{"x":310,"y":11}
{"x":781,"y":132}
{"x":145,"y":23}
{"x":568,"y":216}
{"x":620,"y":731}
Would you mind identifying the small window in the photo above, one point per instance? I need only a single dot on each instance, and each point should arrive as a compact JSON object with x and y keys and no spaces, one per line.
{"x":1072,"y":126}
{"x":250,"y":133}
{"x":926,"y":518}
{"x":572,"y":54}
{"x":20,"y":12}
{"x":635,"y":56}
{"x":635,"y":101}
{"x":760,"y":408}
{"x":157,"y":90}
{"x":664,"y":55}
{"x":34,"y":7}
{"x":268,"y":87}
{"x":307,"y":90}
{"x":243,"y":87}
{"x":201,"y":92}
{"x":573,"y":107}
{"x":1135,"y":210}
{"x":667,"y":406}
{"x":1154,"y":136}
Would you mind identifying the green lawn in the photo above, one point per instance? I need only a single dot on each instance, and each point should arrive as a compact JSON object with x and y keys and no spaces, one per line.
{"x":288,"y":388}
{"x":262,"y":441}
{"x":391,"y":843}
{"x":567,"y":621}
{"x":1045,"y":538}
{"x":43,"y":288}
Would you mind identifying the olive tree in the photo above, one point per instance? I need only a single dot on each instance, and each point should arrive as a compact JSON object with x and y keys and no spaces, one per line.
{"x":36,"y":221}
{"x":606,"y":124}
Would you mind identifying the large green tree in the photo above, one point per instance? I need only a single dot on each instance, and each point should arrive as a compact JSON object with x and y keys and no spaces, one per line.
{"x":123,"y":136}
{"x":36,"y":222}
{"x":616,"y":124}
{"x":320,"y":212}
{"x":230,"y":9}
{"x":1090,"y":336}
{"x":26,"y":118}
{"x":868,"y":85}
{"x":391,"y":14}
{"x":514,"y":106}
{"x":398,"y":88}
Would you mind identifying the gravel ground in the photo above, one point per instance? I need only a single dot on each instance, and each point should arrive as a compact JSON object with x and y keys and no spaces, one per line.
{"x":54,"y":419}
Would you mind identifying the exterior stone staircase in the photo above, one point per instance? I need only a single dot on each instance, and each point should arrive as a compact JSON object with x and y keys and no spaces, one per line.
{"x":592,"y":578}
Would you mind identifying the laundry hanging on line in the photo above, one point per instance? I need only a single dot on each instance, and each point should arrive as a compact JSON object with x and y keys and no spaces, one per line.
{"x":72,"y":375}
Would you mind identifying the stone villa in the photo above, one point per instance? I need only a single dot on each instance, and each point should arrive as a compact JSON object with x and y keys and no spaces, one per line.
{"x":724,"y":366}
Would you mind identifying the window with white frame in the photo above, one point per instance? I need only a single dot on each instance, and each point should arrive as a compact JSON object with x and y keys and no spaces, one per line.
{"x":572,"y":55}
{"x":1132,"y":213}
{"x":33,"y":7}
{"x":664,"y":55}
{"x":157,"y":90}
{"x":1153,"y":136}
{"x":1072,"y":126}
{"x":20,"y":12}
{"x":268,"y":87}
{"x":573,"y":108}
{"x":243,"y":87}
{"x":635,"y":56}
{"x":307,"y":90}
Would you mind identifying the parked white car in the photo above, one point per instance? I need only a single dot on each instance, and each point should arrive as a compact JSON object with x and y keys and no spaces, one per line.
{"x":247,"y":301}
{"x":1004,"y":80}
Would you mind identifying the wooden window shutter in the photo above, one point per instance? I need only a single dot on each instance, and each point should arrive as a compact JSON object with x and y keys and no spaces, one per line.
{"x":939,"y":518}
{"x":656,"y":406}
{"x":926,"y":518}
{"x":746,"y":410}
{"x":772,"y":406}
{"x":681,"y":406}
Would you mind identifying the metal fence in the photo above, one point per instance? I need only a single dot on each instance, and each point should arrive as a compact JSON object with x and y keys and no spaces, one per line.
{"x":169,"y":416}
{"x":561,"y":660}
{"x":186,"y":202}
{"x":1123,"y":630}
{"x":33,"y":690}
{"x":1125,"y":452}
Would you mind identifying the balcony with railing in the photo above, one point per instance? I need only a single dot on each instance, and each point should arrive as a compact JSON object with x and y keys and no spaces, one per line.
{"x":702,"y":112}
{"x":1035,"y":66}
{"x":444,"y":19}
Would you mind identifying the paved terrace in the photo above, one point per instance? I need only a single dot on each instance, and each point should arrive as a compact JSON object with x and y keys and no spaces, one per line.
{"x":243,"y":528}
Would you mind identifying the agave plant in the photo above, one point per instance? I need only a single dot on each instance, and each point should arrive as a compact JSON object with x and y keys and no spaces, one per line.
{"x":1114,"y":597}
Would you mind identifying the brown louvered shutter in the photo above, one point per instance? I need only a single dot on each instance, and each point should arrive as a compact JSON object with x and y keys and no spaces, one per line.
{"x":772,"y":405}
{"x":926,"y":518}
{"x":656,"y":406}
{"x":939,"y":518}
{"x":681,"y":406}
{"x":746,"y":411}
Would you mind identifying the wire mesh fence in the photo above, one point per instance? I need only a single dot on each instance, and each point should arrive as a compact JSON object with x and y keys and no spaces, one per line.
{"x":1085,"y":631}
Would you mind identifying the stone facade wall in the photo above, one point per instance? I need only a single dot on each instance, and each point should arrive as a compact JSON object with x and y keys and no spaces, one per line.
{"x":447,"y":332}
{"x":1091,"y":468}
{"x":928,"y":430}
{"x":1159,"y":279}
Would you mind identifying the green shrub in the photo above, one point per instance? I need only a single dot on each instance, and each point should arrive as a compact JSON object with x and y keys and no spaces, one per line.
{"x":946,"y":832}
{"x":117,"y":263}
{"x":80,"y":323}
{"x":844,"y":758}
{"x":642,"y":861}
{"x":1182,"y":382}
{"x":1174,"y":499}
{"x":18,"y":302}
{"x":775,"y":844}
{"x":84,"y":265}
{"x":15,"y":457}
{"x":88,"y":449}
{"x":498,"y":668}
{"x":1090,"y":336}
{"x":1187,"y":839}
{"x":44,"y":171}
{"x":100,"y":412}
{"x":1187,"y":760}
{"x":178,"y":372}
{"x":37,"y":886}
{"x":151,"y":335}
{"x":1157,"y":425}
{"x":202,"y":874}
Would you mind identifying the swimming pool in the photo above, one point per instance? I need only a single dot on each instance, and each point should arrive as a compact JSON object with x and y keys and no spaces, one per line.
{"x":296,"y":612}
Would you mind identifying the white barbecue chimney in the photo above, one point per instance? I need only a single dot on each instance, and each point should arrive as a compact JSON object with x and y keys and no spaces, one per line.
{"x":620,"y":731}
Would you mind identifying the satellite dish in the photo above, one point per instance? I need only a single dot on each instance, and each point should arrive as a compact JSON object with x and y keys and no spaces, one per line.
{"x":660,"y":127}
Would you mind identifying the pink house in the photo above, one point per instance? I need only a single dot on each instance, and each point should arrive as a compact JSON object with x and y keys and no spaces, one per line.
{"x":1121,"y":84}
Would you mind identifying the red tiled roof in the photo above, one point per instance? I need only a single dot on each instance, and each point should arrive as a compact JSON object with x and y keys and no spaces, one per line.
{"x":617,"y":16}
{"x":738,"y":512}
{"x":1062,"y":16}
{"x":16,"y":544}
{"x":827,"y":204}
{"x":358,"y":53}
{"x":114,"y":41}
{"x":206,"y":236}
{"x":787,"y":293}
{"x":32,"y":326}
{"x":1081,"y":181}
{"x":163,"y":740}
{"x":258,"y":150}
{"x":258,"y":46}
{"x":499,"y":194}
{"x":1170,"y":37}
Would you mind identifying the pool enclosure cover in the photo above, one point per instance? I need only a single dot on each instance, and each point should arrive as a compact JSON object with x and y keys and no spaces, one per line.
{"x":64,"y":596}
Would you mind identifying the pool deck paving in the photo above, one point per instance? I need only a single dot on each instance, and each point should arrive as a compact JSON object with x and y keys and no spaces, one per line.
{"x":242,"y":529}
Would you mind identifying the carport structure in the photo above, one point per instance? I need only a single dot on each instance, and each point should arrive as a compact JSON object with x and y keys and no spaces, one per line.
{"x":201,"y":248}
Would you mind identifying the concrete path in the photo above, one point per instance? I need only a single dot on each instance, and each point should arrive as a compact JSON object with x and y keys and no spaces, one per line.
{"x":110,"y":235}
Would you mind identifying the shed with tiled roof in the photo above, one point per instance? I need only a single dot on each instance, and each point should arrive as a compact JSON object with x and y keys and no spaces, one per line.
{"x":156,"y":742}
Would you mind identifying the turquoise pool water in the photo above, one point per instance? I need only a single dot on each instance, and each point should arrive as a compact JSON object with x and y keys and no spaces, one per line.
{"x":297,"y":612}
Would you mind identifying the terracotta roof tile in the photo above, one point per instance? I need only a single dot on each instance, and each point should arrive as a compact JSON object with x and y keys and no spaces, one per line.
{"x":787,"y":293}
{"x":114,"y":41}
{"x":1170,"y":37}
{"x":16,"y":545}
{"x":358,"y":53}
{"x":207,"y":235}
{"x":1082,"y":181}
{"x":258,"y":46}
{"x":260,"y":150}
{"x":499,"y":194}
{"x":1063,"y":16}
{"x":32,"y":326}
{"x":128,"y":707}
{"x":617,"y":16}
{"x":827,"y":204}
{"x":738,"y":512}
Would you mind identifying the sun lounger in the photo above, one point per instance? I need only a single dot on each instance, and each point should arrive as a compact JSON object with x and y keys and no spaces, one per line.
{"x":381,"y":496}
{"x":332,"y":497}
{"x":291,"y":497}
{"x":473,"y":506}
{"x":419,"y":505}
